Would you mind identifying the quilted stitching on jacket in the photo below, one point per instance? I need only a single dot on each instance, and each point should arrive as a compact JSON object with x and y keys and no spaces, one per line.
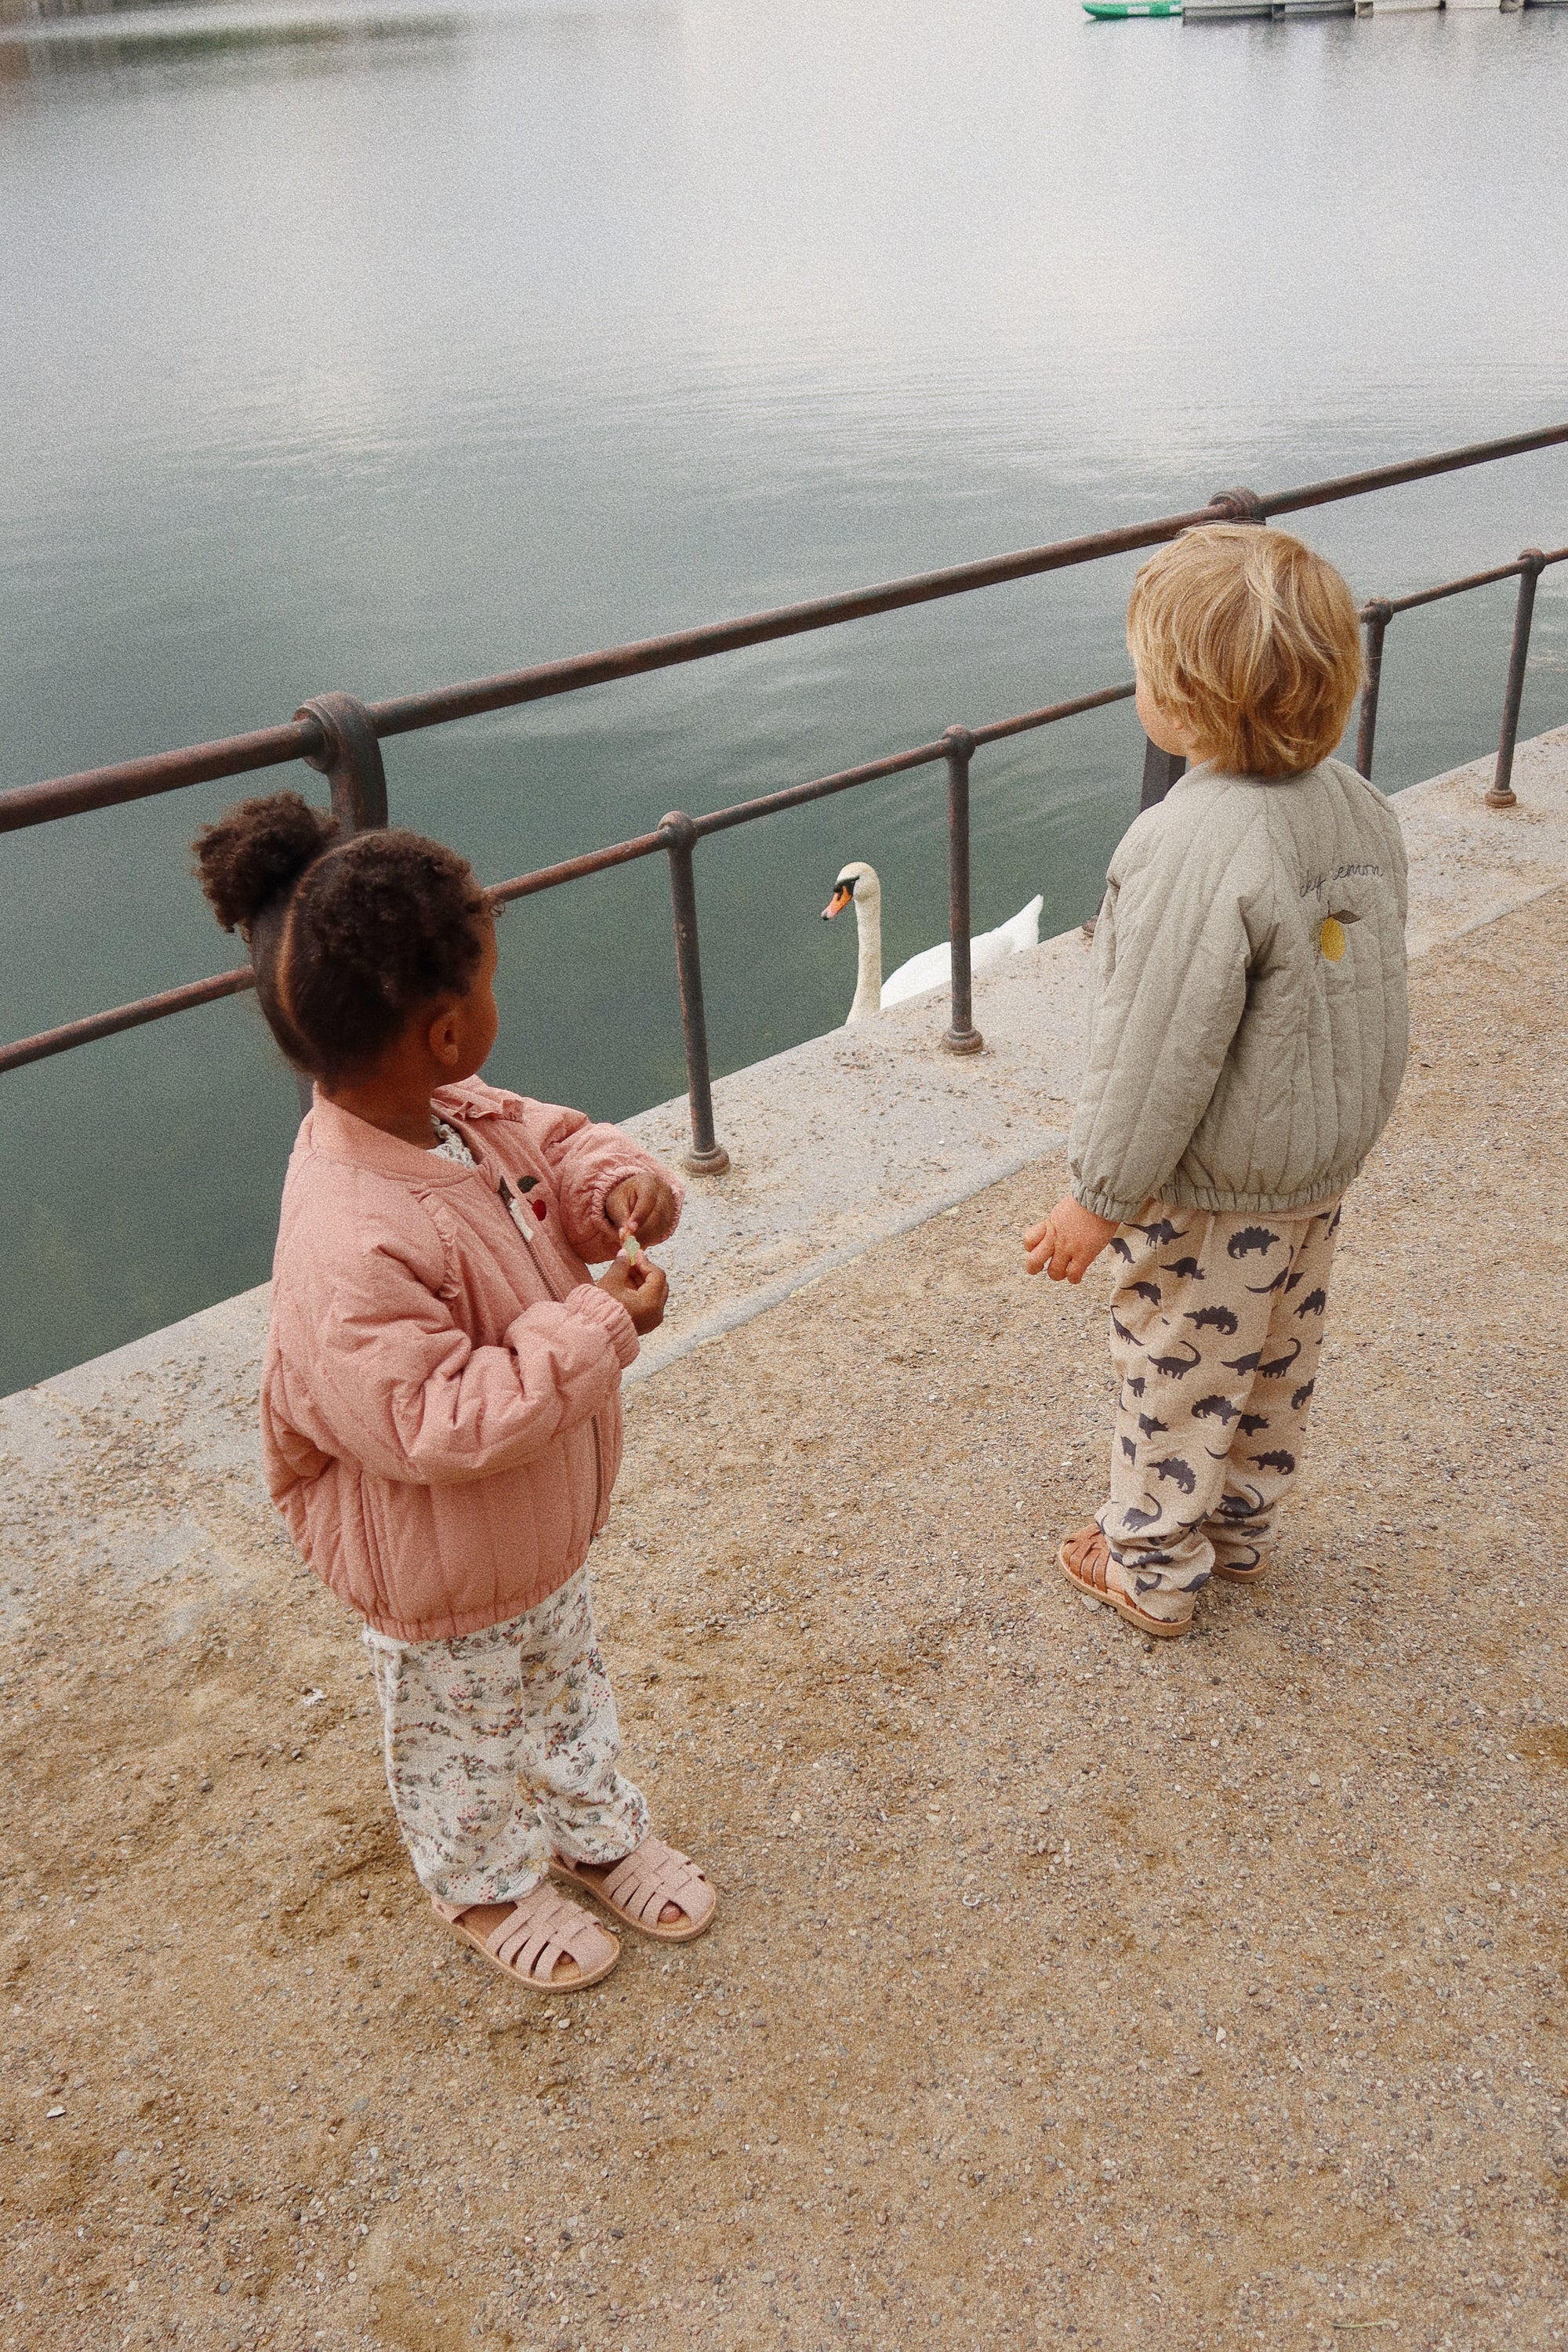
{"x":440,"y":1399}
{"x":1233,"y":1062}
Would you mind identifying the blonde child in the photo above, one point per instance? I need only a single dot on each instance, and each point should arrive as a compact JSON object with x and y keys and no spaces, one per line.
{"x":1246,"y":1046}
{"x":440,"y":1408}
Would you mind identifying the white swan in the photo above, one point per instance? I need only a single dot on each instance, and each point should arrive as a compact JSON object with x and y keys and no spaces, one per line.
{"x":858,"y":884}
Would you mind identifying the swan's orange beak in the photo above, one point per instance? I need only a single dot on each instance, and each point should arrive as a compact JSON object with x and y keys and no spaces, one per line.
{"x":843,"y":896}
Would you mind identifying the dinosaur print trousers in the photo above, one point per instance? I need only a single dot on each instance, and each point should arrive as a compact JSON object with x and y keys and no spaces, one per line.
{"x":501,"y":1746}
{"x":1215,"y":1327}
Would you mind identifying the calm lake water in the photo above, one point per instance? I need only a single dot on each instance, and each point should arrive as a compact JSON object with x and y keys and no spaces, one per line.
{"x":377,"y":354}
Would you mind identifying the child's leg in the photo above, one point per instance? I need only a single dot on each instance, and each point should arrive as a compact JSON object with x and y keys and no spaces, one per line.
{"x":451,"y":1714}
{"x":1269,"y":1438}
{"x":570,"y":1738}
{"x":598,"y":1821}
{"x":1190,"y":1320}
{"x":1160,"y":1474}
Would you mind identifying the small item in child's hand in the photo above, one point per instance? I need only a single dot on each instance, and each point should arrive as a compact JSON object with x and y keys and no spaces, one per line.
{"x":631,"y":1248}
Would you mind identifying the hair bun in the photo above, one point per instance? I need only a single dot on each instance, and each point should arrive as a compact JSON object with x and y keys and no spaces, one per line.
{"x":255,"y":853}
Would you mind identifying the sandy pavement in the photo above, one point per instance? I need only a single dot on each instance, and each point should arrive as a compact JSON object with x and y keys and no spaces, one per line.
{"x":1066,"y":1992}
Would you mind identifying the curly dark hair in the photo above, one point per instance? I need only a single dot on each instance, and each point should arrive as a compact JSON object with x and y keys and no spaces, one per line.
{"x":348,"y":938}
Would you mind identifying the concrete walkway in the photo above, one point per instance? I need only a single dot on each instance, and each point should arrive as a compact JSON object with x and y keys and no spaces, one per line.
{"x":1066,"y":1995}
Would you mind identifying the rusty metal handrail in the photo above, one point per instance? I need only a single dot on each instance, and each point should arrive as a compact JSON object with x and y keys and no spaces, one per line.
{"x":897,"y":764}
{"x":236,"y":755}
{"x":1375,"y":617}
{"x":341,"y":738}
{"x":671,"y":837}
{"x":94,"y":1026}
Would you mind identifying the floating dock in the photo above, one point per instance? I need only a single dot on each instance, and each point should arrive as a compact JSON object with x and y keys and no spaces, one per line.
{"x":1211,"y":11}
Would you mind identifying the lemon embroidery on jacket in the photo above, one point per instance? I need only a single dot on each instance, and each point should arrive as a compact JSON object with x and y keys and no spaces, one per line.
{"x":1331,"y":937}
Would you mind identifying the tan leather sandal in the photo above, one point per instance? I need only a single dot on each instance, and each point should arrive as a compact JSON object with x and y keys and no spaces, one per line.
{"x":638,"y":1889}
{"x":1086,"y":1563}
{"x":531,"y":1940}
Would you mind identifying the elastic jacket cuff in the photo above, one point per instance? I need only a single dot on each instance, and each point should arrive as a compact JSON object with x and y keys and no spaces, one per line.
{"x":599,"y":1307}
{"x":1104,"y":1204}
{"x":602,"y":1186}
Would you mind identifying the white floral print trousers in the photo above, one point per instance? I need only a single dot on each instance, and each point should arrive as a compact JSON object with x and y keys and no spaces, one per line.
{"x":502,"y":1747}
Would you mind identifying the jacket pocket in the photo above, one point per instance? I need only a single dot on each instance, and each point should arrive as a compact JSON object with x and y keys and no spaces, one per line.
{"x":376,"y":1547}
{"x":610,"y":1428}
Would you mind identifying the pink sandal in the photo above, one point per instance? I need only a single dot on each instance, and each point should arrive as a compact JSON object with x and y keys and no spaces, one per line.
{"x":1086,"y":1563}
{"x":535,"y":1936}
{"x":638,"y":1889}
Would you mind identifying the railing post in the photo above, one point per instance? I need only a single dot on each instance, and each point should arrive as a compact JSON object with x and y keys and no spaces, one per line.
{"x":1532,"y":564}
{"x":1239,"y":506}
{"x":962,"y":1037}
{"x":1375,"y":618}
{"x":706,"y":1156}
{"x":350,"y":759}
{"x":1163,"y":769}
{"x":1160,"y":770}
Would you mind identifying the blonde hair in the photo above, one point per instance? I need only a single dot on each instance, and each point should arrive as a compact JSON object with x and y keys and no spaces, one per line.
{"x":1250,"y":641}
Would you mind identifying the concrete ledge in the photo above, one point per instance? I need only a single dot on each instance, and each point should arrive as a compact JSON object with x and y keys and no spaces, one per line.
{"x":852,"y":1138}
{"x":1469,"y":863}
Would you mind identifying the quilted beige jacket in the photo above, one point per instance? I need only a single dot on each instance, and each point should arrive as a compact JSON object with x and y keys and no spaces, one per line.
{"x":1249,"y":1032}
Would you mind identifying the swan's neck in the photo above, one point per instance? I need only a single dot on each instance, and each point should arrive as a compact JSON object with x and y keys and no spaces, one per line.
{"x":869,"y":975}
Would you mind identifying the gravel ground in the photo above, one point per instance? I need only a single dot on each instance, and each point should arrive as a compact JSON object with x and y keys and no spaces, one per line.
{"x":1064,"y":1992}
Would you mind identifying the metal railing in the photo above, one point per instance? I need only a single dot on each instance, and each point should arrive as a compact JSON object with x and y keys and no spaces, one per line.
{"x":1375,"y":617}
{"x":342,"y":739}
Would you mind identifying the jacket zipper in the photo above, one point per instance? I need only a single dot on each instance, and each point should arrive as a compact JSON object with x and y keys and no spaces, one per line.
{"x":524,"y":1224}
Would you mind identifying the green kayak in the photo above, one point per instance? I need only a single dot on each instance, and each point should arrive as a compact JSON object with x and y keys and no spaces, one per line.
{"x":1134,"y":7}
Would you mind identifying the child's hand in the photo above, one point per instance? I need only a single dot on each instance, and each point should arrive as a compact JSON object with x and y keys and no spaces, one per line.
{"x":1066,"y":1244}
{"x":646,"y":1203}
{"x":641,"y":1290}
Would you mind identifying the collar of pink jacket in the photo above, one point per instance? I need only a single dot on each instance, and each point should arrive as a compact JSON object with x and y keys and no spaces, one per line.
{"x":342,"y":1136}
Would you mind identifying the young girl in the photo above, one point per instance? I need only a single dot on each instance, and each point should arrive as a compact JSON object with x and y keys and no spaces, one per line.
{"x":440,"y":1405}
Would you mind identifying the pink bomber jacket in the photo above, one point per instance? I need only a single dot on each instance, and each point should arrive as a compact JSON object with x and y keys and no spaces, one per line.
{"x":440,"y":1398}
